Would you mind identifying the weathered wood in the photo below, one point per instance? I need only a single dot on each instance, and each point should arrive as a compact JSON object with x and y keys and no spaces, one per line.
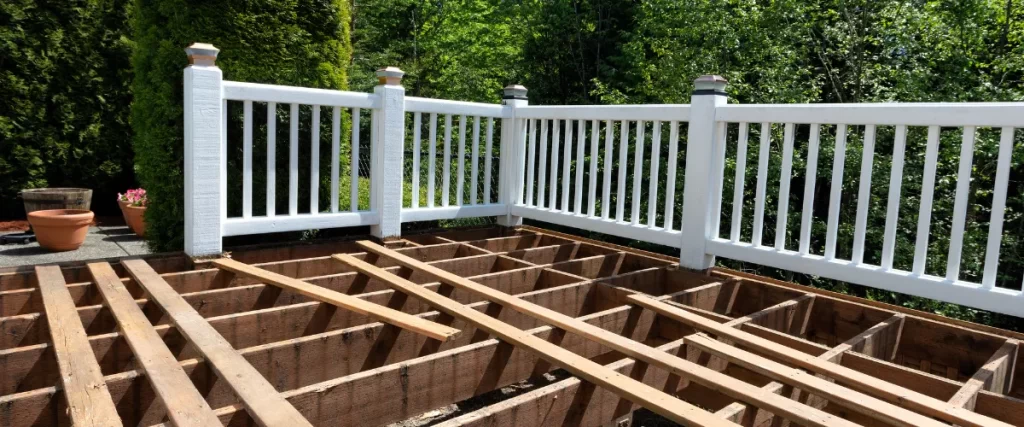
{"x":185,"y":405}
{"x":878,"y":341}
{"x":89,"y":402}
{"x":995,"y":376}
{"x":348,"y":302}
{"x":287,"y":364}
{"x":706,"y":377}
{"x":260,"y":398}
{"x":867,"y":405}
{"x":650,"y":398}
{"x":401,"y":390}
{"x":853,"y":379}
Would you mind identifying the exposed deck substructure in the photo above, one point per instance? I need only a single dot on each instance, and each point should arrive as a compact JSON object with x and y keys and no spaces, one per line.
{"x":340,"y":367}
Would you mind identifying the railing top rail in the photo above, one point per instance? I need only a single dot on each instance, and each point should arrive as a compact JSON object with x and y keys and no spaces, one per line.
{"x":912,"y":114}
{"x":662,"y":112}
{"x":241,"y":91}
{"x":443,"y":106}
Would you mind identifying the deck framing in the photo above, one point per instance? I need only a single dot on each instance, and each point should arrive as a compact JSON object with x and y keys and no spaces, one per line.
{"x":354,"y":333}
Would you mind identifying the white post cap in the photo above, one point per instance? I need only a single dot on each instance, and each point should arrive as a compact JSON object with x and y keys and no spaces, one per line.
{"x":390,"y":76}
{"x":514,"y":92}
{"x":202,"y":54}
{"x":710,"y":84}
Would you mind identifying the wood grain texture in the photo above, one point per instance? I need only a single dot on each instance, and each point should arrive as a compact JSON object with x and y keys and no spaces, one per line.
{"x":348,"y":302}
{"x":649,"y":397}
{"x":266,"y":406}
{"x":89,"y":401}
{"x":867,"y":405}
{"x":709,"y":378}
{"x":185,"y":405}
{"x":856,"y":380}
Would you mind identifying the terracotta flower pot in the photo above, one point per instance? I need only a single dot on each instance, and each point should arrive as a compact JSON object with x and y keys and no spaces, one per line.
{"x":61,"y":229}
{"x":121,"y":204}
{"x":134,"y":216}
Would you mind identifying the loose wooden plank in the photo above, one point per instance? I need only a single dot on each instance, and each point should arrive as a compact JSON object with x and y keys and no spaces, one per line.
{"x":867,"y":405}
{"x":858,"y":381}
{"x":89,"y":401}
{"x":261,"y":400}
{"x":348,"y":302}
{"x":185,"y":405}
{"x":994,"y":376}
{"x":649,"y":397}
{"x":707,"y":377}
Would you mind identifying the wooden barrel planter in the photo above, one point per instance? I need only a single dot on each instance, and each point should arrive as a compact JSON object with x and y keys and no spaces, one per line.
{"x":41,"y":199}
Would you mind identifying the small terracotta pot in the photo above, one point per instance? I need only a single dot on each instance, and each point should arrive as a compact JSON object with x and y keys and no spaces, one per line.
{"x":61,"y":229}
{"x":134,"y":216}
{"x":122,"y":204}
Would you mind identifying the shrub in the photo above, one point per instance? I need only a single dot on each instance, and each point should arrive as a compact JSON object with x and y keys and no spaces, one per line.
{"x":301,"y":43}
{"x":64,"y":88}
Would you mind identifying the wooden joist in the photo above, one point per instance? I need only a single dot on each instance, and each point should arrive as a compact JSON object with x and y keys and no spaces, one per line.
{"x":878,"y":341}
{"x":856,"y":380}
{"x":89,"y":402}
{"x":185,"y":405}
{"x":995,"y":376}
{"x":265,"y":405}
{"x":707,"y":377}
{"x":649,"y":397}
{"x":867,"y":405}
{"x":384,"y":314}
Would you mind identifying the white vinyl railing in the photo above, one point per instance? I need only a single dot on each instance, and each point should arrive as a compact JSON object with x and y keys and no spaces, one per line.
{"x":557,"y":194}
{"x":460,"y":195}
{"x":317,"y":101}
{"x":617,"y":170}
{"x":862,"y":122}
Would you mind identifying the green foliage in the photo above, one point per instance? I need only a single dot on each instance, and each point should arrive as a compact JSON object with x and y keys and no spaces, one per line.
{"x":785,"y":51}
{"x":463,"y":49}
{"x":301,"y":43}
{"x":64,"y":85}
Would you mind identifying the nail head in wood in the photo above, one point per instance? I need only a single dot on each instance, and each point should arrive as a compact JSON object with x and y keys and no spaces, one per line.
{"x":204,"y":54}
{"x":390,"y":76}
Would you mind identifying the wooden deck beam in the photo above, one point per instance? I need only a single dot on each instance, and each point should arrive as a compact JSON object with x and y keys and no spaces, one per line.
{"x":864,"y":404}
{"x":185,"y":405}
{"x":864,"y":383}
{"x":995,"y":376}
{"x":260,"y":399}
{"x":481,"y":366}
{"x":649,"y":397}
{"x":388,"y":315}
{"x":679,"y":366}
{"x":89,"y":402}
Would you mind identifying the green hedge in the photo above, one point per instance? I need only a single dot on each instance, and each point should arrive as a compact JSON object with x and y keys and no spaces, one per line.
{"x":64,"y":86}
{"x":302,"y":43}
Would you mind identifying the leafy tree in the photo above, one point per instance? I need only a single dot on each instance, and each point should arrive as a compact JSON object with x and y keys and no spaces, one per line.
{"x":64,"y":88}
{"x":303,"y":43}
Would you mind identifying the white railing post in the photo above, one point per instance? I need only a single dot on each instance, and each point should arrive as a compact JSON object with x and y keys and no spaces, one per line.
{"x":388,"y":148}
{"x":204,"y":155}
{"x":513,"y":156}
{"x":703,"y":172}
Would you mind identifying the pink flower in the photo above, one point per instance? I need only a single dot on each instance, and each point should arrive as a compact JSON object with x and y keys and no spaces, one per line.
{"x":134,"y":197}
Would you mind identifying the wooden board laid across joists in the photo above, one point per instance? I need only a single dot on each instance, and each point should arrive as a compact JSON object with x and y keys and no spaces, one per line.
{"x":480,"y":327}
